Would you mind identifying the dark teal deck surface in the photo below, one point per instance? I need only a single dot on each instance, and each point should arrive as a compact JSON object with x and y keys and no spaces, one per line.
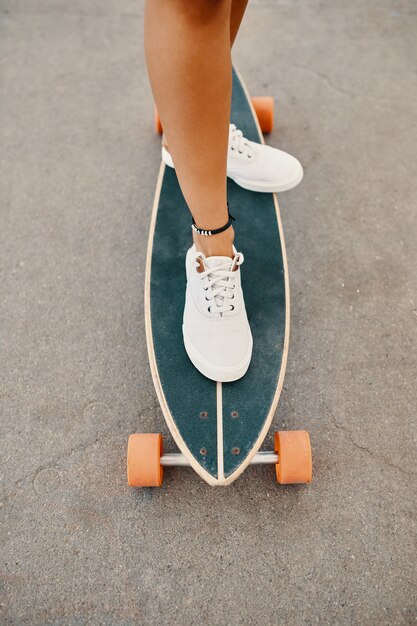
{"x":188,"y":393}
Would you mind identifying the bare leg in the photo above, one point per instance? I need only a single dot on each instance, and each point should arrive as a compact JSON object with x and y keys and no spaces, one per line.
{"x":187,"y":46}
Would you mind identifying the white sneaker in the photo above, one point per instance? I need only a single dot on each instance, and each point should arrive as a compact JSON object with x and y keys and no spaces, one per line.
{"x":255,"y":166}
{"x":216,"y":331}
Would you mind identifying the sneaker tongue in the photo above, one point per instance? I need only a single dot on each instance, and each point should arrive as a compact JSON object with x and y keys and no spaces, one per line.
{"x":215,"y":261}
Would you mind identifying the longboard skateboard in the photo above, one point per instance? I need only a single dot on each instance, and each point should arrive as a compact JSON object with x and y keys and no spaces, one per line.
{"x":219,"y":427}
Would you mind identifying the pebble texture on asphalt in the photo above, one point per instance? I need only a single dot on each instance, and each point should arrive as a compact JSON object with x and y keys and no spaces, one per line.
{"x":79,"y":162}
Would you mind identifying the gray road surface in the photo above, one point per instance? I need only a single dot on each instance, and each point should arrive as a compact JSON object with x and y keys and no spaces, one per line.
{"x":78,"y":168}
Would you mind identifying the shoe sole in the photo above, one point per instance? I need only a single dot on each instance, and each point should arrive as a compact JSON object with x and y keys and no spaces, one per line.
{"x":263,"y":187}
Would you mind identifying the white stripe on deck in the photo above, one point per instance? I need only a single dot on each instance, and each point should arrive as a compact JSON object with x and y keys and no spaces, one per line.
{"x":220,"y":451}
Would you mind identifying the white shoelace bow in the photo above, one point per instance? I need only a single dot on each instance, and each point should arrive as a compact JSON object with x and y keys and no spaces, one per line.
{"x":239,"y":143}
{"x":219,"y":283}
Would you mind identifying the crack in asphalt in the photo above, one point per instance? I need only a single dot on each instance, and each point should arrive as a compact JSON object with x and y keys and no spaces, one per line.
{"x":371,"y":453}
{"x":342,"y":90}
{"x":84,"y":445}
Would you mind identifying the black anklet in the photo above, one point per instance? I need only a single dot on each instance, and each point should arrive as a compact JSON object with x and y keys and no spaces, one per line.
{"x":216,"y":231}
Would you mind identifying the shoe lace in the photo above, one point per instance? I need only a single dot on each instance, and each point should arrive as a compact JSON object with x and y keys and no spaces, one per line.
{"x":219,"y":283}
{"x":239,"y":143}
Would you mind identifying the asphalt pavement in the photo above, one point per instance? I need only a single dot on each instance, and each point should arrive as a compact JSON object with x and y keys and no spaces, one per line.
{"x":79,"y":162}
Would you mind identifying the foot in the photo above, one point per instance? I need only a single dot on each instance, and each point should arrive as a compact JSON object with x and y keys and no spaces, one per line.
{"x":216,"y":330}
{"x":255,"y":166}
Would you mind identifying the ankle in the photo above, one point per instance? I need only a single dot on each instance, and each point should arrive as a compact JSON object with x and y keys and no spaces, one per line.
{"x":215,"y":245}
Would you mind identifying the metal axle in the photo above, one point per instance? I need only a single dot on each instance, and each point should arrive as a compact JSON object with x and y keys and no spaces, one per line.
{"x":178,"y":459}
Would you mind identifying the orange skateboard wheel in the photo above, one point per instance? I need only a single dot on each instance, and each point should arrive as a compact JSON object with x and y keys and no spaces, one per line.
{"x":294,"y":452}
{"x":144,"y":467}
{"x":264,"y":109}
{"x":158,"y":125}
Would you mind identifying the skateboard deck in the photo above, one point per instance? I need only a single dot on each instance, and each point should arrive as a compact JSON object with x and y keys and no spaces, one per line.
{"x":218,"y":427}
